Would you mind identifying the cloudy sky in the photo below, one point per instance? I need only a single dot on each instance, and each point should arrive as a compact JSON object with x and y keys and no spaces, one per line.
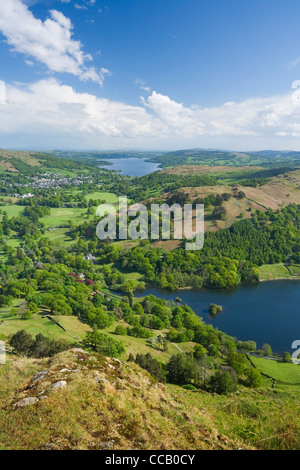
{"x":150,"y":74}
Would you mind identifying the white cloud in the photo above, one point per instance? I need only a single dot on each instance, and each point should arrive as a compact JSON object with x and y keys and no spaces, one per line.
{"x":78,"y":6}
{"x":47,"y":107}
{"x":85,"y":4}
{"x":138,"y":81}
{"x":49,"y":42}
{"x":258,"y":116}
{"x":47,"y":110}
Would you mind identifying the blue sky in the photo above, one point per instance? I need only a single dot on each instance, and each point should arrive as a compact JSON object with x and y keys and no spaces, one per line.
{"x":150,"y":74}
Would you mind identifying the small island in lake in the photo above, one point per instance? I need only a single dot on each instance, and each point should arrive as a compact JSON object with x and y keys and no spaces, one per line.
{"x":215,"y":309}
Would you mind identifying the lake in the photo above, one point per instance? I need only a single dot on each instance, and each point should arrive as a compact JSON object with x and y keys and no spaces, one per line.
{"x":131,"y":166}
{"x":268,"y":312}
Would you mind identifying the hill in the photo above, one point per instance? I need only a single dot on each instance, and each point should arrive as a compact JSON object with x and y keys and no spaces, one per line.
{"x":257,"y":193}
{"x":79,"y":400}
{"x":31,"y":162}
{"x":222,"y":157}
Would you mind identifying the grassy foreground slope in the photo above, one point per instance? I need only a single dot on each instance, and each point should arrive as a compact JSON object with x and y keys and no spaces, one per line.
{"x":108,"y":404}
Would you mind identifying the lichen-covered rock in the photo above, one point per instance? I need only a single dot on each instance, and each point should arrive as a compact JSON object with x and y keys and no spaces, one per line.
{"x":26,"y":402}
{"x":58,"y":385}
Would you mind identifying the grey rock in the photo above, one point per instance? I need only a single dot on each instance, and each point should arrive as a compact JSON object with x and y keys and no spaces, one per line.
{"x":58,"y":385}
{"x":26,"y":402}
{"x":79,"y":350}
{"x":101,"y":379}
{"x":39,"y":376}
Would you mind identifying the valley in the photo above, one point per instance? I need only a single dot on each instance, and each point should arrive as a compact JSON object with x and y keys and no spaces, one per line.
{"x":146,"y":301}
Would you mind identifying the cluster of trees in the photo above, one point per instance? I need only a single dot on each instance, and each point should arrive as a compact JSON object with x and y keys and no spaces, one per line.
{"x":159,"y":183}
{"x":104,"y":344}
{"x":152,"y":365}
{"x":229,"y":256}
{"x":40,"y":346}
{"x":196,"y":371}
{"x":269,"y":237}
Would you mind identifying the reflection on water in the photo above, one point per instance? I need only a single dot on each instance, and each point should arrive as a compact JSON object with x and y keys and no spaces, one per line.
{"x":267,"y":312}
{"x":131,"y":166}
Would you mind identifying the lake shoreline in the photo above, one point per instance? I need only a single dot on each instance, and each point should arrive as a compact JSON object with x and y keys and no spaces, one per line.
{"x":297,"y":278}
{"x":130,"y":166}
{"x":263,"y":312}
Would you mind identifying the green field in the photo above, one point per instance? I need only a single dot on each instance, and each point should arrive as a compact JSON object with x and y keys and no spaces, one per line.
{"x":294,"y":270}
{"x":138,"y":345}
{"x":12,"y":210}
{"x":287,"y":373}
{"x":110,"y":198}
{"x":277,"y":271}
{"x":59,"y":235}
{"x":61,"y":216}
{"x":76,"y":331}
{"x":56,"y":223}
{"x":10,"y":324}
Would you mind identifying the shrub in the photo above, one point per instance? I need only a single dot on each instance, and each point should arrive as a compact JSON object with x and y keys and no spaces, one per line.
{"x":222,"y":383}
{"x":104,"y":344}
{"x":120,"y":330}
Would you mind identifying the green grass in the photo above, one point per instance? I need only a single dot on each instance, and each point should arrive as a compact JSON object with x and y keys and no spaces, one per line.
{"x":118,"y":403}
{"x":59,"y":235}
{"x":12,"y":210}
{"x":74,"y":327}
{"x":133,"y":276}
{"x":10,"y":324}
{"x":77,"y":330}
{"x":139,"y":345}
{"x":285,"y":372}
{"x":294,"y":270}
{"x":61,"y":216}
{"x":273,"y":271}
{"x":13,"y":241}
{"x":110,"y":198}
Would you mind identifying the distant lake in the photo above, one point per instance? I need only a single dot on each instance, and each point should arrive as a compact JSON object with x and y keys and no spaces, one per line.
{"x":130,"y":166}
{"x":268,"y":312}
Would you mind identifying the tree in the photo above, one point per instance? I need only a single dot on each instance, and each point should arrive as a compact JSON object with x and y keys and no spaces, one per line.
{"x":120,"y":330}
{"x":223,"y":383}
{"x":215,"y":309}
{"x":287,"y":357}
{"x":253,"y":378}
{"x":102,"y":319}
{"x":104,"y":344}
{"x":6,"y":300}
{"x":138,"y":308}
{"x":26,"y":314}
{"x":22,"y":342}
{"x":266,"y":348}
{"x":183,"y":369}
{"x":219,"y":213}
{"x":199,"y":352}
{"x":130,"y":358}
{"x":98,"y":299}
{"x":41,"y":346}
{"x":162,"y":341}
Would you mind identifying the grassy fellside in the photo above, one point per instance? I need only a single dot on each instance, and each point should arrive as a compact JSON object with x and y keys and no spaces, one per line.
{"x":284,"y":372}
